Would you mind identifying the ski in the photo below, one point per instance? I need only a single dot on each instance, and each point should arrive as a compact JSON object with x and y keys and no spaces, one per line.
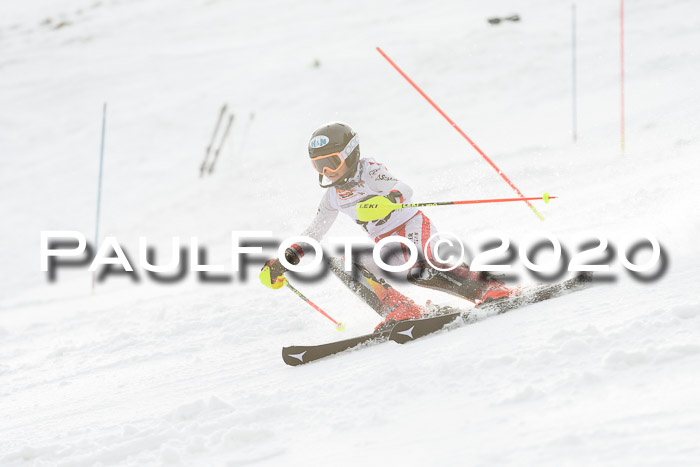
{"x":211,"y":143}
{"x":221,"y":143}
{"x":411,"y":329}
{"x":360,"y":281}
{"x":300,"y":354}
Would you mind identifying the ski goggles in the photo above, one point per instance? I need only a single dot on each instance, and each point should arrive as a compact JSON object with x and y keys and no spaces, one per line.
{"x":334,"y":161}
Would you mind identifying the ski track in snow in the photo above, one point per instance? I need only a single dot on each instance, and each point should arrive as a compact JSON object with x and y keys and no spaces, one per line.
{"x":192,"y":374}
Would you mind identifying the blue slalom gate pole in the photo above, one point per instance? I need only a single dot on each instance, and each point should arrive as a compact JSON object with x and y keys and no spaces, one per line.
{"x":622,"y":75}
{"x":573,"y":67}
{"x":99,"y":189}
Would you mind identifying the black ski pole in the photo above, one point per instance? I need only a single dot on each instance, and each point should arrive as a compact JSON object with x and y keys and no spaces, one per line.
{"x":211,"y":143}
{"x":221,"y":143}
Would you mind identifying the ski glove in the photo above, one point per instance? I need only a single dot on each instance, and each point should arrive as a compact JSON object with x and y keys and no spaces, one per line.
{"x":395,"y":197}
{"x":272,"y":274}
{"x":378,"y":208}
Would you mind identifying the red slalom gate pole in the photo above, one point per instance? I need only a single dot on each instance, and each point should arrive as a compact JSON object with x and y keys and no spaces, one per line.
{"x":622,"y":74}
{"x":459,"y":130}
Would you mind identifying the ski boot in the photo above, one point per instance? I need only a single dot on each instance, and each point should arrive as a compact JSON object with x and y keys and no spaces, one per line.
{"x":475,"y":286}
{"x":495,"y":290}
{"x":398,"y":308}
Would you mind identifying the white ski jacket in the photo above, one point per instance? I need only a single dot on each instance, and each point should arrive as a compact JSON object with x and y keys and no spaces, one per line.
{"x":371,"y":179}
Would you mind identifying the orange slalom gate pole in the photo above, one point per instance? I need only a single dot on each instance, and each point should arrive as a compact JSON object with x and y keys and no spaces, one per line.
{"x":459,"y":130}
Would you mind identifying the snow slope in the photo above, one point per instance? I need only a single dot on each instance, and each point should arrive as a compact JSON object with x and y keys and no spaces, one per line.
{"x":191,"y":373}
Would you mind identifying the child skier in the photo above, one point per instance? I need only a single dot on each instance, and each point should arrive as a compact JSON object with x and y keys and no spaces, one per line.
{"x":334,"y":150}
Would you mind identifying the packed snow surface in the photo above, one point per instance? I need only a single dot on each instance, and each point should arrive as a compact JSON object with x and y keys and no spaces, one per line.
{"x":146,"y":373}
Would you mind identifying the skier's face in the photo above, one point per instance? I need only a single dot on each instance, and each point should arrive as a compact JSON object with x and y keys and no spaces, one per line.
{"x":337,"y":175}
